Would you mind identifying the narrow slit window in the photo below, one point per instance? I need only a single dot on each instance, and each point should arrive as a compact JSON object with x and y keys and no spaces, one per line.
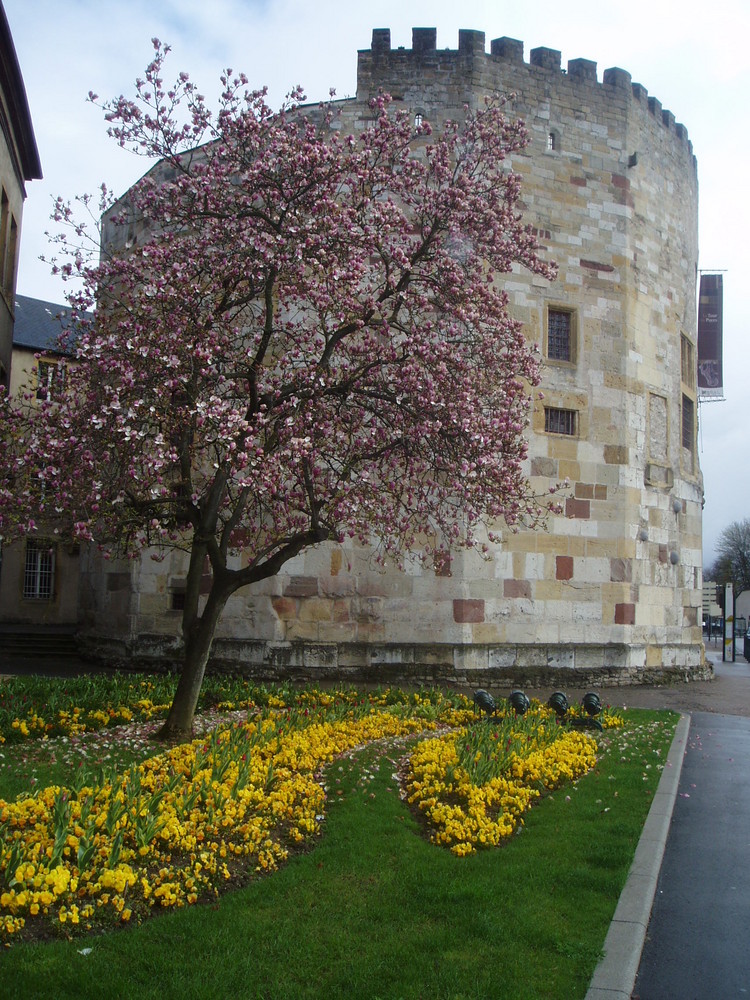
{"x":687,"y":362}
{"x":559,"y":335}
{"x":688,"y":423}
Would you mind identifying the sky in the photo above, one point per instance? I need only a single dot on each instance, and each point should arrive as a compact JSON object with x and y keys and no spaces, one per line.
{"x":694,"y":62}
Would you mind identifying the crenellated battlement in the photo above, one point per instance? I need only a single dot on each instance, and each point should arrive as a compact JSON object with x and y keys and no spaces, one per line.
{"x":382,"y":60}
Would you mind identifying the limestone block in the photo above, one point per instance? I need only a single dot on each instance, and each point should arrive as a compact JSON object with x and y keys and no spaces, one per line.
{"x":470,"y":658}
{"x":561,"y":658}
{"x":337,"y":632}
{"x":585,"y":614}
{"x":296,"y":630}
{"x":315,"y":609}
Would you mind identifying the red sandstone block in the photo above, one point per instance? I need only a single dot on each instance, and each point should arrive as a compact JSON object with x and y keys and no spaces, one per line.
{"x":624,"y":614}
{"x":468,"y":610}
{"x":517,"y":588}
{"x":564,"y":568}
{"x":621,"y":570}
{"x":284,"y":607}
{"x":577,"y":508}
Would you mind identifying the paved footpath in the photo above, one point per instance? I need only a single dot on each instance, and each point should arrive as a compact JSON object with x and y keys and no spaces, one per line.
{"x":693,"y":860}
{"x":697,"y":945}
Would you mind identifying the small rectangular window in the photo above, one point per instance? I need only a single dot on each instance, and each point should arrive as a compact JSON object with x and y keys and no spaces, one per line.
{"x":559,"y":335}
{"x":688,"y":423}
{"x":559,"y":421}
{"x":177,"y":601}
{"x":39,"y":570}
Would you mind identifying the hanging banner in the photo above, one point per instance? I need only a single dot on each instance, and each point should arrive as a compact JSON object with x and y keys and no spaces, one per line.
{"x":710,"y":305}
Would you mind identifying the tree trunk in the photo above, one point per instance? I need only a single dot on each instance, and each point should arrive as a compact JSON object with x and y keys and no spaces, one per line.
{"x":179,"y":723}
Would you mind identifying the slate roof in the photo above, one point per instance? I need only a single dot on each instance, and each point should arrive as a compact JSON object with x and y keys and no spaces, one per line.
{"x":38,"y":324}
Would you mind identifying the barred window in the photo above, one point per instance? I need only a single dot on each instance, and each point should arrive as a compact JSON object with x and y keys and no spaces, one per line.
{"x":688,"y":423}
{"x":51,"y":379}
{"x":39,"y":570}
{"x":559,"y":335}
{"x":177,"y":600}
{"x":559,"y":421}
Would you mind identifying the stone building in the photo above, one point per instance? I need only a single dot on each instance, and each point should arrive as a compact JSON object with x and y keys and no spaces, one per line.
{"x":40,"y":577}
{"x":19,"y":163}
{"x":612,"y":591}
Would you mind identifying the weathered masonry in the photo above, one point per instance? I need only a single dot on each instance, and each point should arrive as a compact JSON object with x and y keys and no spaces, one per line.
{"x":612,"y":591}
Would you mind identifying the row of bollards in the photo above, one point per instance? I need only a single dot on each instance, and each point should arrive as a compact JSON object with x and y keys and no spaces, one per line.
{"x":557,"y":701}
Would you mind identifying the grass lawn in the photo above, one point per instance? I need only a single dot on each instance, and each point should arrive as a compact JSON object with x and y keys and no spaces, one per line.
{"x":372,"y":909}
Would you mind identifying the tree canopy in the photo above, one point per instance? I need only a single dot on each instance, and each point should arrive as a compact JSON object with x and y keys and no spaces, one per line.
{"x":296,"y":334}
{"x":732,"y":563}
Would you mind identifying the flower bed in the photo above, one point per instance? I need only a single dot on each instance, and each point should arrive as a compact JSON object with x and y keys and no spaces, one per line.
{"x":178,"y":827}
{"x":473,"y":786}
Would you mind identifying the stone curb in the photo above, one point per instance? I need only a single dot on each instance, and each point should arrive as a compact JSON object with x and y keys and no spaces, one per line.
{"x":614,"y":976}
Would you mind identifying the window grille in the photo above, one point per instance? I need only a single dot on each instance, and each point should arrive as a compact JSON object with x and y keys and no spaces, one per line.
{"x":177,"y":602}
{"x":551,"y":141}
{"x":559,"y":344}
{"x":51,"y":379}
{"x":418,"y":119}
{"x":39,"y":570}
{"x":559,"y":421}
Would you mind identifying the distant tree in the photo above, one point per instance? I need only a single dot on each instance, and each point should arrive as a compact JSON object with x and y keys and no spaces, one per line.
{"x":732,"y":564}
{"x":304,"y":341}
{"x":719,"y":571}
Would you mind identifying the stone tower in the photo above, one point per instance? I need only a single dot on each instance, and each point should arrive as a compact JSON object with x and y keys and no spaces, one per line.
{"x":611,"y":593}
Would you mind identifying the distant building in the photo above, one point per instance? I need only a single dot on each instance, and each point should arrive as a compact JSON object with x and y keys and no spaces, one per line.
{"x":19,"y":163}
{"x":39,"y":582}
{"x":38,"y":326}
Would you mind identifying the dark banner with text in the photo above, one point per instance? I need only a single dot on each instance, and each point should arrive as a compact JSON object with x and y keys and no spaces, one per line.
{"x":710,"y":302}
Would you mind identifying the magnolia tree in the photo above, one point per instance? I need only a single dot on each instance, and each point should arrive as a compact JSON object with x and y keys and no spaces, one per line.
{"x":292,"y":335}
